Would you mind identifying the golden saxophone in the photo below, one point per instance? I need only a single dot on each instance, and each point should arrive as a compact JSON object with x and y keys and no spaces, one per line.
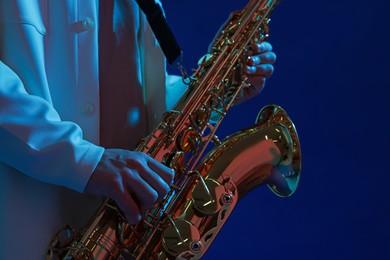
{"x":206,"y":187}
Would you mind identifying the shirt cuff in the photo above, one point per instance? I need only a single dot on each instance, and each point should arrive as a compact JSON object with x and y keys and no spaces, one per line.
{"x":86,"y":167}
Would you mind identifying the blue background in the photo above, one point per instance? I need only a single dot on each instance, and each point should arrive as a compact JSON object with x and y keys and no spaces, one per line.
{"x":332,"y":77}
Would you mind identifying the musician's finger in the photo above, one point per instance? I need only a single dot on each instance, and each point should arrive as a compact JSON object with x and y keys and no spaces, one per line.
{"x":266,"y":57}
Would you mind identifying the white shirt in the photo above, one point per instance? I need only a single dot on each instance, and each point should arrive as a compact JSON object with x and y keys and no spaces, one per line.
{"x":49,"y":114}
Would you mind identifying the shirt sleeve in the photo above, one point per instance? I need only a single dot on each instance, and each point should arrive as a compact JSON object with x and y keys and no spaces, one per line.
{"x":37,"y":143}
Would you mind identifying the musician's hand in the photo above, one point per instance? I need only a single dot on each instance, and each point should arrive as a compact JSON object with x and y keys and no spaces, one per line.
{"x":259,"y":67}
{"x":134,"y":180}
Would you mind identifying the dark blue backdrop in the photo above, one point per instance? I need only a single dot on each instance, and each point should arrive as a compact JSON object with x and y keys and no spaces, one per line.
{"x":332,"y":76}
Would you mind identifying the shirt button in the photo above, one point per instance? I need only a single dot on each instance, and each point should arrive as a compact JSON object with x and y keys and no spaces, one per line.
{"x":87,"y":24}
{"x":88,"y":109}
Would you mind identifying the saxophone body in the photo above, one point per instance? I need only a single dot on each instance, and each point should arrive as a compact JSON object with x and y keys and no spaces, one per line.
{"x":206,"y":187}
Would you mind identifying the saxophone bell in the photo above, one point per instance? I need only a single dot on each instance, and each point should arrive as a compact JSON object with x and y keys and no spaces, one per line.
{"x":285,"y":176}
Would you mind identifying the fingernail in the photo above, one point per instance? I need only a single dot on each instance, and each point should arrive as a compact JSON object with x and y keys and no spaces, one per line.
{"x":258,"y":60}
{"x":260,"y":47}
{"x":173,"y":175}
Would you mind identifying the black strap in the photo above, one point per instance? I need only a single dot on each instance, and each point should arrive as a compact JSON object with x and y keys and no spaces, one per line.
{"x":161,"y":29}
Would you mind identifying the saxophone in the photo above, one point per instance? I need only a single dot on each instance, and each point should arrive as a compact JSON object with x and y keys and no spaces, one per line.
{"x":206,"y":188}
